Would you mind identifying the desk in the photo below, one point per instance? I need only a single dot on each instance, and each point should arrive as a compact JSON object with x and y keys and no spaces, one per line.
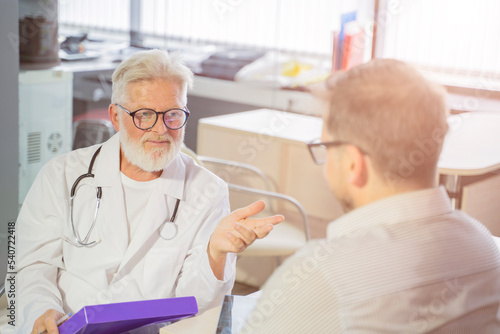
{"x":471,"y":149}
{"x":203,"y":323}
{"x":236,"y":311}
{"x":472,"y":145}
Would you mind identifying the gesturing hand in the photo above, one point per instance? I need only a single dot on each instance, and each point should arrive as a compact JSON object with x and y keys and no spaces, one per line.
{"x":236,"y":232}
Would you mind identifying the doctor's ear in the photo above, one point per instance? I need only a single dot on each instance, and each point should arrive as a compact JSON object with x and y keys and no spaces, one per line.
{"x":113,"y":115}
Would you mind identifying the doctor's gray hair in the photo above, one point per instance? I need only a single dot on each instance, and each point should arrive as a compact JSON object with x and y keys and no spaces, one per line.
{"x":146,"y":66}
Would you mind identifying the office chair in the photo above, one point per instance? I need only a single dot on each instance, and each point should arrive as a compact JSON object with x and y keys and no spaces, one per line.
{"x":288,"y":236}
{"x":92,"y":127}
{"x":87,"y":132}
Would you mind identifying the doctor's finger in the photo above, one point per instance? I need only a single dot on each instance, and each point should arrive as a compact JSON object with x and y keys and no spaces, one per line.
{"x":48,"y":322}
{"x":238,"y":245}
{"x":52,"y":328}
{"x":38,"y":326}
{"x":248,"y":211}
{"x":254,"y":223}
{"x":263,"y":231}
{"x":51,"y":325}
{"x":247,"y":235}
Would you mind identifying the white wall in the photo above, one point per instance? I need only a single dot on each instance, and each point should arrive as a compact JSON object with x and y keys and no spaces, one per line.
{"x":9,"y":146}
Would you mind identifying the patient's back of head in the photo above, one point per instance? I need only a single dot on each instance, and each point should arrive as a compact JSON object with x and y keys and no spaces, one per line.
{"x":395,"y":114}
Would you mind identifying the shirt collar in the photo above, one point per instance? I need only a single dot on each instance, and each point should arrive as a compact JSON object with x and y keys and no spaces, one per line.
{"x":410,"y":206}
{"x":172,"y":179}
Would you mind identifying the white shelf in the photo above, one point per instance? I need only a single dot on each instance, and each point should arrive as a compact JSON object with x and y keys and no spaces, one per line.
{"x":267,"y":97}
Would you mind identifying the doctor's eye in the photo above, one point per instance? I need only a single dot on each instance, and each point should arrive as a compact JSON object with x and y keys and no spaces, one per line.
{"x":174,"y":114}
{"x":145,"y":114}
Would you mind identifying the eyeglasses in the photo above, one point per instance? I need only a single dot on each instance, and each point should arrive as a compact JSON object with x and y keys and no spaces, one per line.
{"x":319,"y":150}
{"x":145,"y":118}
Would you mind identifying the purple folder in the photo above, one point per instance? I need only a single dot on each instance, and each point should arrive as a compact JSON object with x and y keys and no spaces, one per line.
{"x":120,"y":317}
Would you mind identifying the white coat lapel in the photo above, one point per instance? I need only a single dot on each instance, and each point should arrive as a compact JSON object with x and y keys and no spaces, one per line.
{"x":113,"y":229}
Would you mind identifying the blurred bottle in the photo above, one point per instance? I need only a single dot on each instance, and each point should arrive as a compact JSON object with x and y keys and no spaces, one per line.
{"x":38,"y":31}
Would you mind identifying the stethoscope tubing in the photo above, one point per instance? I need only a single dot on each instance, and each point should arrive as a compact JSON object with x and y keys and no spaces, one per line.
{"x":78,"y":241}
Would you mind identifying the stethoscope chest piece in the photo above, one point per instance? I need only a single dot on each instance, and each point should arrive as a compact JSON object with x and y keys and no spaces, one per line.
{"x":169,"y":230}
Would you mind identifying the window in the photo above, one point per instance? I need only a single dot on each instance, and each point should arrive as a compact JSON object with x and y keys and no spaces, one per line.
{"x":291,"y":25}
{"x":99,"y":15}
{"x":297,"y":26}
{"x":443,"y":35}
{"x":439,"y":35}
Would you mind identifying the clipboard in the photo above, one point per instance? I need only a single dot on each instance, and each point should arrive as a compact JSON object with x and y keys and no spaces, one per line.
{"x":121,"y":317}
{"x":235,"y":311}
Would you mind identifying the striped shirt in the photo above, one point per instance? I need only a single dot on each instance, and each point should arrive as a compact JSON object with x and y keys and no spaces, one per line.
{"x":404,"y":264}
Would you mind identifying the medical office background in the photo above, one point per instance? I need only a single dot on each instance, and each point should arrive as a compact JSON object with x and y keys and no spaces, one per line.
{"x":246,"y":54}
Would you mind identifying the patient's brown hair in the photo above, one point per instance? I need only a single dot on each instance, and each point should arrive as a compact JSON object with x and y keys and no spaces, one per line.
{"x":388,"y":109}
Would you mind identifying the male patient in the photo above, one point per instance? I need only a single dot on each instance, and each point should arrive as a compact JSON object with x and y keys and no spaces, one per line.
{"x":135,"y":218}
{"x":402,"y":260}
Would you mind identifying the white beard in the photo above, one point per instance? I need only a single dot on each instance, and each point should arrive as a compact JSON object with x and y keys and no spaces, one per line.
{"x":158,"y":158}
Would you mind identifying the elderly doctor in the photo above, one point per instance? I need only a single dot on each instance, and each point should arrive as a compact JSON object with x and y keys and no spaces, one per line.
{"x":132,"y":219}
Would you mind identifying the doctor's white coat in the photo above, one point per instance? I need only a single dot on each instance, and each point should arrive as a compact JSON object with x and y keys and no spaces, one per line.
{"x":53,"y":273}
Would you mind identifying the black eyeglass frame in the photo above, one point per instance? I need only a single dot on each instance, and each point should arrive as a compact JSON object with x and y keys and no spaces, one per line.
{"x":132,"y":114}
{"x":311,"y":145}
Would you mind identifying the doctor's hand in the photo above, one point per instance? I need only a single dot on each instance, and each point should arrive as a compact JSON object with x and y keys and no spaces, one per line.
{"x":236,"y":232}
{"x":47,"y":321}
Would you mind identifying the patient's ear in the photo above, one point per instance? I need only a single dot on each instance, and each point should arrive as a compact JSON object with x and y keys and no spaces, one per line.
{"x":113,"y":115}
{"x":358,"y":167}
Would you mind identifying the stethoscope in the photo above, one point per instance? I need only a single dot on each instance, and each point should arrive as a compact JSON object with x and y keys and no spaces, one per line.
{"x":168,"y":232}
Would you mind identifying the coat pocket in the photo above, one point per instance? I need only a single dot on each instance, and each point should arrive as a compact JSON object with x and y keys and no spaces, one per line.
{"x":161,"y":270}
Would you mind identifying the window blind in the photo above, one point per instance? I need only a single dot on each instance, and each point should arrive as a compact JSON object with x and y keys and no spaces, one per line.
{"x":297,"y":26}
{"x":100,"y":15}
{"x":291,"y":25}
{"x":444,"y":35}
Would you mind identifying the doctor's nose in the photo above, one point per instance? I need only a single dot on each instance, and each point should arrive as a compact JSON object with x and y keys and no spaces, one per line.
{"x":160,"y":126}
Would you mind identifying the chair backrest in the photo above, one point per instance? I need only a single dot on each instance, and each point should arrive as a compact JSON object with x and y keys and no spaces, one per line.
{"x":186,"y":150}
{"x":88,"y":132}
{"x":248,"y":183}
